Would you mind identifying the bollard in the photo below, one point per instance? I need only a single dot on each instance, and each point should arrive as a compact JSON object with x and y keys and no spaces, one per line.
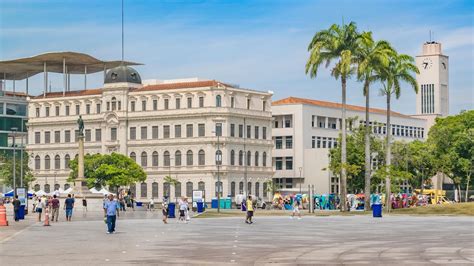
{"x":3,"y":216}
{"x":46,"y":217}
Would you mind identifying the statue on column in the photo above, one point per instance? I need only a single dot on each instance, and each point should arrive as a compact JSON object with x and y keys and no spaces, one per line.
{"x":80,"y":123}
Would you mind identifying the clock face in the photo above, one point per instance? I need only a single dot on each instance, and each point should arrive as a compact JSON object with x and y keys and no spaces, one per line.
{"x":427,"y":63}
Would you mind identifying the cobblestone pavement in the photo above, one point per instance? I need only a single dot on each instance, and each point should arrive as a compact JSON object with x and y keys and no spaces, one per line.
{"x":270,"y":240}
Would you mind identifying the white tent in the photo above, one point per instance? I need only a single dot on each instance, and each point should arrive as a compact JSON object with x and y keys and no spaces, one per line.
{"x":104,"y":191}
{"x":69,"y":190}
{"x":94,"y":190}
{"x":41,"y":193}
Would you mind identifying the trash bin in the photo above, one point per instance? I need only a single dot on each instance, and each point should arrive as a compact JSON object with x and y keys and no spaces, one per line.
{"x":171,"y":208}
{"x":21,"y":212}
{"x":377,"y":210}
{"x":214,"y":203}
{"x":200,"y":207}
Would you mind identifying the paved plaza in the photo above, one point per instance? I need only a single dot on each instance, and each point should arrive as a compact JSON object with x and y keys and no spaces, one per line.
{"x":143,"y":239}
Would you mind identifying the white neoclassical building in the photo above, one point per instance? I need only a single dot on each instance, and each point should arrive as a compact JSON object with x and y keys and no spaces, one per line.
{"x":170,"y":127}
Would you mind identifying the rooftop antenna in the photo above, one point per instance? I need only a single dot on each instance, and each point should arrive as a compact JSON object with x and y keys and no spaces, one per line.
{"x":430,"y":35}
{"x":122,"y":35}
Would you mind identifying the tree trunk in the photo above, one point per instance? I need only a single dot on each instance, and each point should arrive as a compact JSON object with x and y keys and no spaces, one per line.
{"x":388,"y":158}
{"x":467,"y":188}
{"x":367,"y":148}
{"x":343,"y":188}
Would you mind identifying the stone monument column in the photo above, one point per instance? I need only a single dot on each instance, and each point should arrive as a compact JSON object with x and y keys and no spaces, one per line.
{"x":80,"y":182}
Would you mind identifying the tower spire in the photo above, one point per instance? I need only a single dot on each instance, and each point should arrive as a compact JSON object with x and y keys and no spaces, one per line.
{"x":122,"y":35}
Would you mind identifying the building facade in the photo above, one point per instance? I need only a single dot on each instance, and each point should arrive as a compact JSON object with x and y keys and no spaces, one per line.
{"x":169,"y":127}
{"x":432,"y":99}
{"x":13,"y":117}
{"x":304,"y":130}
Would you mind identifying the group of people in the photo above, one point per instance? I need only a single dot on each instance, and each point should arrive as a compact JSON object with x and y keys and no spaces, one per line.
{"x":51,"y":204}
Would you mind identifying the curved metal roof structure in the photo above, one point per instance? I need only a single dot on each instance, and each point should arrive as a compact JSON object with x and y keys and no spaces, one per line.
{"x":76,"y":63}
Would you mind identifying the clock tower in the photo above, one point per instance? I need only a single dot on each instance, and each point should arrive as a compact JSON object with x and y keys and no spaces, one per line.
{"x":432,"y":99}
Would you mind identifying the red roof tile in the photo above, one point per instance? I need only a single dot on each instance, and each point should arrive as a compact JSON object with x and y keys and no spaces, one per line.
{"x":295,"y":100}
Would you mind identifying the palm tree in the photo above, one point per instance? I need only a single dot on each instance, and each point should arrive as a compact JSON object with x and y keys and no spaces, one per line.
{"x":338,"y":43}
{"x":370,"y":57}
{"x":399,"y":69}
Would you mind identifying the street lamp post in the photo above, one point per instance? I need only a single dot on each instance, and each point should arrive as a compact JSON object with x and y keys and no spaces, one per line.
{"x":301,"y":181}
{"x":14,"y":130}
{"x":218,"y":164}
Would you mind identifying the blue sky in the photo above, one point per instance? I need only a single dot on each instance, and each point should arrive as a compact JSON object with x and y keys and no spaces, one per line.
{"x":256,"y":44}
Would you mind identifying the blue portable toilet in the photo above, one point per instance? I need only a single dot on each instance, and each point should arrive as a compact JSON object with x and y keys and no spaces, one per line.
{"x":171,"y":210}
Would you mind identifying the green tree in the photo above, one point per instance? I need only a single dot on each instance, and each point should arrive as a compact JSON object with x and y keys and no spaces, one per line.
{"x":108,"y":170}
{"x":338,"y":43}
{"x":355,"y":159}
{"x":399,"y":69}
{"x":452,"y":138}
{"x":371,"y":57}
{"x":6,"y":171}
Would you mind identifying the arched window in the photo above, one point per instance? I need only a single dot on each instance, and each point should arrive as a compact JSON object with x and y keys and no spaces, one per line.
{"x":256,"y":158}
{"x":249,"y":158}
{"x":144,"y":159}
{"x":189,"y":189}
{"x":177,"y":189}
{"x":249,"y":188}
{"x":166,"y":158}
{"x":37,"y":187}
{"x":133,"y":190}
{"x":154,"y":190}
{"x":257,"y":189}
{"x":241,"y":187}
{"x":133,"y":156}
{"x":37,"y":162}
{"x":201,"y":185}
{"x":218,"y":188}
{"x":264,"y":159}
{"x":154,"y":159}
{"x":166,"y":189}
{"x":232,"y":157}
{"x":218,"y":101}
{"x":232,"y":189}
{"x":177,"y":158}
{"x":57,"y":162}
{"x":67,"y":159}
{"x":189,"y":157}
{"x":114,"y":103}
{"x":47,"y":188}
{"x":47,"y":162}
{"x":143,"y":190}
{"x":241,"y":157}
{"x":202,"y":157}
{"x":66,"y":186}
{"x":56,"y":187}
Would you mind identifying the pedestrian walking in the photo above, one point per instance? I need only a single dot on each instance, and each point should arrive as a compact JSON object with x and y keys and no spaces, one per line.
{"x":249,"y":206}
{"x":151,"y":205}
{"x":55,"y":208}
{"x":111,"y":210}
{"x":16,"y":208}
{"x":183,"y":207}
{"x":39,"y":208}
{"x":165,"y":212}
{"x":35,"y":202}
{"x":69,"y":206}
{"x":296,"y":209}
{"x":84,"y":205}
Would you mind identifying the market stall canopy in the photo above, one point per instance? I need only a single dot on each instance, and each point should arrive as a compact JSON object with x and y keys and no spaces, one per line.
{"x":76,"y":63}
